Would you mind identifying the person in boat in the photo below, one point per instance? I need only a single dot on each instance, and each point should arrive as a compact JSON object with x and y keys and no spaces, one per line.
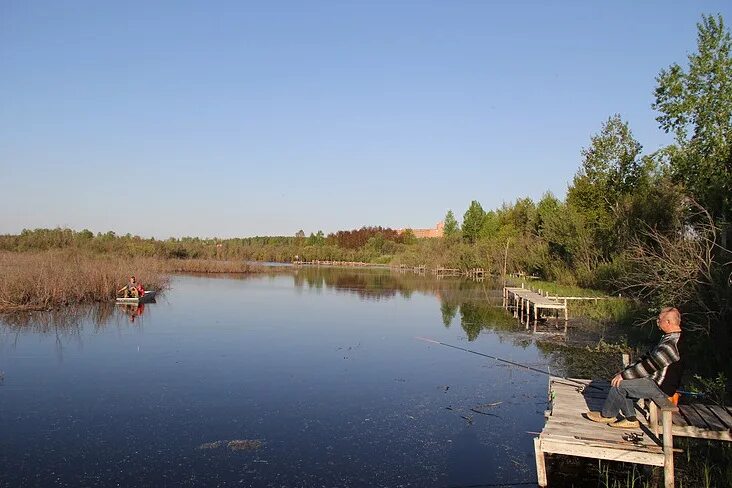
{"x":132,"y":289}
{"x":135,"y":311}
{"x":656,"y":375}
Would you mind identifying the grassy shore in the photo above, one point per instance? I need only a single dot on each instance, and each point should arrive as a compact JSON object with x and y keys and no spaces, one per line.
{"x":59,"y":278}
{"x":210,"y":266}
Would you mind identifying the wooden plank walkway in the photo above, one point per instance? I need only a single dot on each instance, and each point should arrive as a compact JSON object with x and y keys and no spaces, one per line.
{"x":567,"y":432}
{"x":703,"y":422}
{"x":523,"y":301}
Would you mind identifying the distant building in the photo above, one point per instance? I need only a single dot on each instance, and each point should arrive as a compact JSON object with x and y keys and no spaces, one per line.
{"x":438,"y":231}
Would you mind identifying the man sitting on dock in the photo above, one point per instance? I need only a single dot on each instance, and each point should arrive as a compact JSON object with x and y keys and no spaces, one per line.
{"x":131,"y":289}
{"x":654,"y":376}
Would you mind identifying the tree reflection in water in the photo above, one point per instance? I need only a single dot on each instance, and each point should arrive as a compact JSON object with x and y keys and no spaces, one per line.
{"x":477,"y":304}
{"x":65,"y":324}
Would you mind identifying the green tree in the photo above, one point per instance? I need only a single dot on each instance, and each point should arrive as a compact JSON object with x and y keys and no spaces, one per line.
{"x":521,"y":215}
{"x":316,"y":239}
{"x":491,"y":225}
{"x":611,"y":169}
{"x":452,"y":228}
{"x":696,"y":106}
{"x":86,"y":235}
{"x":547,"y":207}
{"x":473,"y":221}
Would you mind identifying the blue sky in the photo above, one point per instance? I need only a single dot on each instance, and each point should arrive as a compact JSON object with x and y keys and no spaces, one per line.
{"x":241,"y":118}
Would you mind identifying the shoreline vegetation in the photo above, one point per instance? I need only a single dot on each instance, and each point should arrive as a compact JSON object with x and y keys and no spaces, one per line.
{"x":52,"y":279}
{"x":210,"y":266}
{"x":653,"y":226}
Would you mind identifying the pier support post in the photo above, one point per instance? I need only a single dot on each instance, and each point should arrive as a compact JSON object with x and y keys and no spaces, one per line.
{"x":540,"y":464}
{"x":668,"y":449}
{"x":653,"y":417}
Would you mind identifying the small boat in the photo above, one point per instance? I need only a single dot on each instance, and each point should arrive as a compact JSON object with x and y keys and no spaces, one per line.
{"x":147,"y":297}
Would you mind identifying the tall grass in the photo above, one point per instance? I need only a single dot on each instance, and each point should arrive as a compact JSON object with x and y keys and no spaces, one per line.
{"x":52,"y":279}
{"x":210,"y":266}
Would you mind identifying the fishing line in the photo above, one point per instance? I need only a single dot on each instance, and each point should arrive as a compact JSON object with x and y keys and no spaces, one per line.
{"x":496,"y":485}
{"x":513,"y":363}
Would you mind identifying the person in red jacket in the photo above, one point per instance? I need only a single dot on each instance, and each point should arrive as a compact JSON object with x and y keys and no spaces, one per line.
{"x":131,"y":289}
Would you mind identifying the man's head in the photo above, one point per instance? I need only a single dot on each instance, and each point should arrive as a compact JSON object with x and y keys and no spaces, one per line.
{"x":669,"y":320}
{"x":132,"y":279}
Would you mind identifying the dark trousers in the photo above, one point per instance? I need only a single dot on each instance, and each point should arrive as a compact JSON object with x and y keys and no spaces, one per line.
{"x":621,"y":398}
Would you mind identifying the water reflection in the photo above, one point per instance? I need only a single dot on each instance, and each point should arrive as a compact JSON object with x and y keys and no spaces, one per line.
{"x":476,"y":304}
{"x":319,"y":365}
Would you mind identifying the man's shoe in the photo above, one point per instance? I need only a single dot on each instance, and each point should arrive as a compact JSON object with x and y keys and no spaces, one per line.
{"x":626,"y":424}
{"x":597,"y":417}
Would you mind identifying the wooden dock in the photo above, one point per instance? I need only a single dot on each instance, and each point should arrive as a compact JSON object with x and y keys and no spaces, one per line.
{"x":567,"y":432}
{"x":440,"y":272}
{"x":339,"y":264}
{"x":523,"y":301}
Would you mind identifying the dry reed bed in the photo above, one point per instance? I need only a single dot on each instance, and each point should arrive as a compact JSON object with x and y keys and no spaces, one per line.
{"x":46,"y":280}
{"x":52,"y":279}
{"x":210,"y":266}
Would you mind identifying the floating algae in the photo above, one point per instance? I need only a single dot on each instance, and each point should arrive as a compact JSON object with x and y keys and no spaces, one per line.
{"x":211,"y":445}
{"x":234,"y":445}
{"x":244,"y":445}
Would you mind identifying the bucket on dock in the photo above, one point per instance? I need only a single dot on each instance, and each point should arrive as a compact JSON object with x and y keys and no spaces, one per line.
{"x":675,"y":398}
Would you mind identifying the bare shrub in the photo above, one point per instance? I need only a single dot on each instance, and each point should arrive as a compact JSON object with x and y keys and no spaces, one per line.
{"x":684,"y":267}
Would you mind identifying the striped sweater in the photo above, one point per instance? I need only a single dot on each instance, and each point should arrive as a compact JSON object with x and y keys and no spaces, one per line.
{"x":662,"y":364}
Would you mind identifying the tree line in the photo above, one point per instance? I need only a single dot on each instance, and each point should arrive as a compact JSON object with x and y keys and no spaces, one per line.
{"x":655,"y":225}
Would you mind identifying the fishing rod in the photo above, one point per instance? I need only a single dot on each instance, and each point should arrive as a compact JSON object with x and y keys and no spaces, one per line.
{"x":513,"y":363}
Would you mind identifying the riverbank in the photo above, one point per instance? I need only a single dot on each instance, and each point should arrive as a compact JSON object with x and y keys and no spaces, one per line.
{"x":210,"y":266}
{"x":54,"y":279}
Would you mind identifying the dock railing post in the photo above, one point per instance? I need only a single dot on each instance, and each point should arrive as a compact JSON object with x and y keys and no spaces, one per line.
{"x":540,"y":464}
{"x":668,"y":447}
{"x":653,"y":418}
{"x":667,"y":409}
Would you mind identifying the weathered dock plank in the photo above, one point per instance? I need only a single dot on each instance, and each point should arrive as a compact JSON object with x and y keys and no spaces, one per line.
{"x":567,"y":432}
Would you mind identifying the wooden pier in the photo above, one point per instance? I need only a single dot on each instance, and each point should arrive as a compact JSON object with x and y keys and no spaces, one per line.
{"x":567,"y":432}
{"x":440,"y":272}
{"x":345,"y":264}
{"x":523,"y":301}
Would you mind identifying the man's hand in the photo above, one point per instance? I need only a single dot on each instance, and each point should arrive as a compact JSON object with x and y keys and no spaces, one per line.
{"x":616,"y":380}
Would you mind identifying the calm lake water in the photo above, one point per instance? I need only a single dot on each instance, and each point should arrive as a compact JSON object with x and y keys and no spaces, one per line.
{"x":320,"y":370}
